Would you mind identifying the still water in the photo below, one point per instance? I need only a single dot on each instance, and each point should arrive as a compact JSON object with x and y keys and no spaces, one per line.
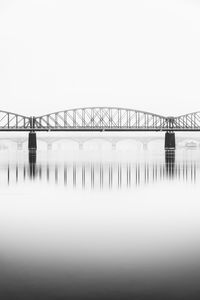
{"x":100,"y":223}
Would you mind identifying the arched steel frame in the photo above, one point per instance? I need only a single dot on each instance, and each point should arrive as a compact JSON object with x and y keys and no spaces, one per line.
{"x":101,"y":119}
{"x":189,"y":121}
{"x":12,"y":121}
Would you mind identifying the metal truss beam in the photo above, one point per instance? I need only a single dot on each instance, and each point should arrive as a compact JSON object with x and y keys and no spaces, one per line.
{"x":99,"y":119}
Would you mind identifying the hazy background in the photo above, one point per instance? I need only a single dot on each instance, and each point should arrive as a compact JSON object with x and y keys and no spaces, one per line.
{"x":57,"y":54}
{"x":121,"y":243}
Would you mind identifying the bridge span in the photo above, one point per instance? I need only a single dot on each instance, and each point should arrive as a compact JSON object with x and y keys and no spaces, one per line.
{"x":51,"y":142}
{"x":100,"y":119}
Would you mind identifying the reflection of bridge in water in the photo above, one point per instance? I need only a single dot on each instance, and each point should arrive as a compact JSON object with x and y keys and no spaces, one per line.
{"x":99,"y":175}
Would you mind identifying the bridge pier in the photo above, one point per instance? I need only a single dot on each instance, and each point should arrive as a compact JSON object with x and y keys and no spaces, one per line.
{"x":32,"y":141}
{"x":32,"y":163}
{"x":170,"y":142}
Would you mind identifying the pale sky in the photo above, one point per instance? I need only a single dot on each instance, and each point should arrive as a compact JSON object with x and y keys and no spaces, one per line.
{"x":59,"y":54}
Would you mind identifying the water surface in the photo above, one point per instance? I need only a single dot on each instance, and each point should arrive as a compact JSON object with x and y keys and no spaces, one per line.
{"x":100,"y":224}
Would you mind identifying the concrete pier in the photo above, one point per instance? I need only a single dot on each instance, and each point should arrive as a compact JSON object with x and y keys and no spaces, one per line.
{"x":170,"y":142}
{"x":32,"y":141}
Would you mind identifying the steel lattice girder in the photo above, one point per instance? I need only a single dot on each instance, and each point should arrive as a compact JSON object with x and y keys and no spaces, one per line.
{"x":102,"y":118}
{"x":10,"y":120}
{"x":99,"y":118}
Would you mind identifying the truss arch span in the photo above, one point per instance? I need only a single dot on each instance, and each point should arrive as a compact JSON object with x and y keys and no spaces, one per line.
{"x":101,"y":118}
{"x":13,"y":121}
{"x":189,"y":121}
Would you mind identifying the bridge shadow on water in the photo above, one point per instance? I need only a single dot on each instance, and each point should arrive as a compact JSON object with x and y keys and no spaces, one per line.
{"x":104,"y":175}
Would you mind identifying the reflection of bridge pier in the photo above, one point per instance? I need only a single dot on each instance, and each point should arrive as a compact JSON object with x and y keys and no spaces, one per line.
{"x":170,"y":162}
{"x":32,"y":163}
{"x":97,"y":174}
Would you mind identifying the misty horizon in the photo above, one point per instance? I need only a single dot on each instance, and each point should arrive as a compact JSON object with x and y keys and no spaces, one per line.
{"x":143,"y":55}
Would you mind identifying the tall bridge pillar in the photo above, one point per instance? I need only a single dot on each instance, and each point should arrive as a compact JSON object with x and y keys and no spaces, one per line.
{"x":32,"y":139}
{"x":170,"y":142}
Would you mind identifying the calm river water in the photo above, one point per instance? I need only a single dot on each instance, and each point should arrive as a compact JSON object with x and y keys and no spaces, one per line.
{"x":98,"y":223}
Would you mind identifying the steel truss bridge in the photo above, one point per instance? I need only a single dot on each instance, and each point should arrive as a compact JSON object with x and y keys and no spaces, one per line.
{"x":100,"y":119}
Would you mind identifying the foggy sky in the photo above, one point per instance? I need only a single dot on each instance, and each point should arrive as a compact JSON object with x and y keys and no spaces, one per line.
{"x":57,"y":54}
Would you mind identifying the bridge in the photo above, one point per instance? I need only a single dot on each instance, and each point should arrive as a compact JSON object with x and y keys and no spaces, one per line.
{"x":80,"y":142}
{"x":100,"y":119}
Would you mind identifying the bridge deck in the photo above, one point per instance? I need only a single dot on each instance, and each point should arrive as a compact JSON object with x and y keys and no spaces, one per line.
{"x":99,"y":129}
